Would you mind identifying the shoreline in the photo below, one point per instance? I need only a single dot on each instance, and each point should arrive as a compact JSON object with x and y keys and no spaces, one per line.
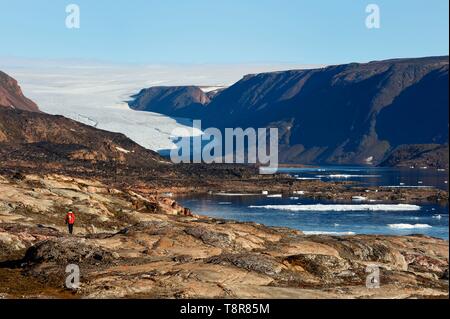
{"x":339,"y":207}
{"x":131,"y":244}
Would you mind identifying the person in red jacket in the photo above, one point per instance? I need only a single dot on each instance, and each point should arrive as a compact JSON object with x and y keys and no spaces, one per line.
{"x":70,"y":221}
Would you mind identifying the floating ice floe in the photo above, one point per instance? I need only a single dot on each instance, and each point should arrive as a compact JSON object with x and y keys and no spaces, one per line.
{"x":359,"y":198}
{"x":342,"y":207}
{"x":409,"y":226}
{"x":236,"y":194}
{"x":407,"y":186}
{"x":332,"y":233}
{"x":437,"y":216}
{"x":347,"y":176}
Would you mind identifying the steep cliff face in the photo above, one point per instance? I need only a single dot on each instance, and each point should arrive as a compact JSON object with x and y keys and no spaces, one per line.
{"x":11,"y":95}
{"x":183,"y":101}
{"x":345,"y":114}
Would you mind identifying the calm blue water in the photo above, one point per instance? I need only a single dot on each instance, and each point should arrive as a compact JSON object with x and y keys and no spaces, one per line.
{"x":430,"y":220}
{"x":374,"y":176}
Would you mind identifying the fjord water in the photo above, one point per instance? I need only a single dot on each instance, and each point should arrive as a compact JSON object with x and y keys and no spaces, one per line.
{"x":427,"y":219}
{"x":374,"y":176}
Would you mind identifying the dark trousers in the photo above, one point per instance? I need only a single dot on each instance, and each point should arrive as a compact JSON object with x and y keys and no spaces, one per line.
{"x":70,"y":228}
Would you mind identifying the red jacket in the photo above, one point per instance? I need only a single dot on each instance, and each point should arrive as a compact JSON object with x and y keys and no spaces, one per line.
{"x":70,"y":218}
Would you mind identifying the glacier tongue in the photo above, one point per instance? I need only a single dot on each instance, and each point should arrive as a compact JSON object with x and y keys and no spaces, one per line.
{"x":96,"y":93}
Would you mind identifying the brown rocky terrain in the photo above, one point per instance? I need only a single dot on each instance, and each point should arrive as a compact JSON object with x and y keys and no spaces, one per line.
{"x":135,"y":245}
{"x":11,"y":95}
{"x":39,"y":137}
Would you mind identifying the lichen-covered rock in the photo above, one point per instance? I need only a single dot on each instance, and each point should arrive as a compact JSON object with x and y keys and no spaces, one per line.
{"x":252,"y":262}
{"x":65,"y":251}
{"x":209,"y":237}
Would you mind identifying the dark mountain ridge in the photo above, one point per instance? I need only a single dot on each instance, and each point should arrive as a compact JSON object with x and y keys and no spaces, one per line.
{"x":344,"y":114}
{"x":180,"y":101}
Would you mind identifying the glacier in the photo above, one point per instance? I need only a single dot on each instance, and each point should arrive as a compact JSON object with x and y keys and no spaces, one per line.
{"x":96,"y":92}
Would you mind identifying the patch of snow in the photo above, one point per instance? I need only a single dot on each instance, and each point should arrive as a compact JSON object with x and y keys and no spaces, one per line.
{"x":122,"y":150}
{"x":207,"y":89}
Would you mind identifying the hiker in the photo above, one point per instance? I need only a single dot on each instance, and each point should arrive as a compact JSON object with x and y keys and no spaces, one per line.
{"x":70,"y":221}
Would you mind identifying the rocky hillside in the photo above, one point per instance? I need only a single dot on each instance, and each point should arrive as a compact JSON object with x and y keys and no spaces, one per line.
{"x":432,"y":155}
{"x":37,"y":137}
{"x":344,"y":114}
{"x":11,"y":95}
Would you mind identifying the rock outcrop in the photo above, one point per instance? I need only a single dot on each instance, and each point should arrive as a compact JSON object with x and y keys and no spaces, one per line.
{"x":11,"y":95}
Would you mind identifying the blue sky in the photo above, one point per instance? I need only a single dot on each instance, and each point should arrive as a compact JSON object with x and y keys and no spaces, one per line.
{"x":221,"y":32}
